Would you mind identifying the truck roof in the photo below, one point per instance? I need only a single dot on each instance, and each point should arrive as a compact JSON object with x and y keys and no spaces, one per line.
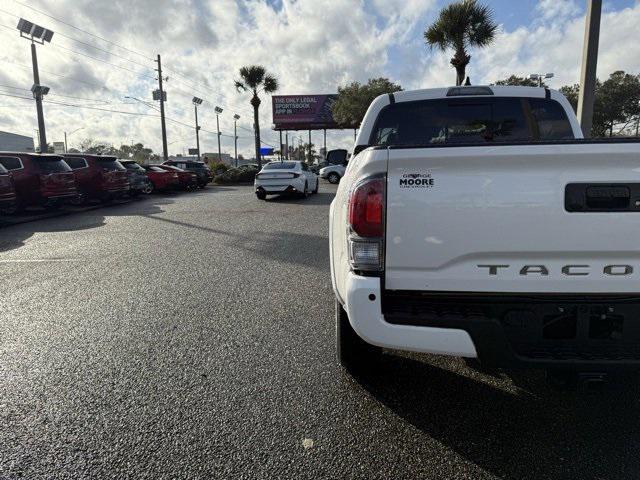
{"x":473,"y":91}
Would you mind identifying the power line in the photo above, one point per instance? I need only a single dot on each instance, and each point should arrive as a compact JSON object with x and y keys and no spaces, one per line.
{"x":83,"y":31}
{"x":15,"y":96}
{"x":104,"y":61}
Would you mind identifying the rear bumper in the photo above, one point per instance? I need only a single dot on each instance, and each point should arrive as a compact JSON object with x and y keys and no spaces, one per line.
{"x":292,"y":185}
{"x":363,"y":305}
{"x":573,"y":332}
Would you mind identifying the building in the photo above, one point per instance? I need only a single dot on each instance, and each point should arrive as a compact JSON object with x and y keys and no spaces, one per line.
{"x":226,"y":158}
{"x":12,"y":142}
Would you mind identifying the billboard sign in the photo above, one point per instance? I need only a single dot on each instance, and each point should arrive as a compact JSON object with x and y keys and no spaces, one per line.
{"x":58,"y":147}
{"x":303,"y":112}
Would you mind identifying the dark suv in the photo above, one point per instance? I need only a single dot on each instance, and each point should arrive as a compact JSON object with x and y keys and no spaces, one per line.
{"x":199,"y":168}
{"x":138,"y":180}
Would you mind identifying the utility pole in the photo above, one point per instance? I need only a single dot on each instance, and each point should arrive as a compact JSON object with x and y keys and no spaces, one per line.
{"x":236,"y":117}
{"x":197,"y":101}
{"x":218,"y":111}
{"x":71,"y":133}
{"x":280,"y":132}
{"x":325,"y":144}
{"x":162,"y":97}
{"x":286,"y":141}
{"x":589,"y":65}
{"x":197,"y":132}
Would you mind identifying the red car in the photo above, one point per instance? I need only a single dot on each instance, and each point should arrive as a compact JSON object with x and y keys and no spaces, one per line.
{"x":188,"y":180}
{"x":99,"y":177}
{"x":44,"y":180}
{"x":161,"y":179}
{"x":7,"y":192}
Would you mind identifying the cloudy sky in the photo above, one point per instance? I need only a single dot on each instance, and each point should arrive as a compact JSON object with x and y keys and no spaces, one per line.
{"x":311,"y":46}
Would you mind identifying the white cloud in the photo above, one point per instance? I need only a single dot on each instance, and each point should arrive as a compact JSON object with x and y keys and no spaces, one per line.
{"x":312,"y":46}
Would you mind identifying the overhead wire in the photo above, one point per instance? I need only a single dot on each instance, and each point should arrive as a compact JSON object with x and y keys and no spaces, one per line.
{"x":109,"y":52}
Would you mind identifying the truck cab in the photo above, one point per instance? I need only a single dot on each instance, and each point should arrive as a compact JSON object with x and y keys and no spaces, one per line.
{"x":476,"y":222}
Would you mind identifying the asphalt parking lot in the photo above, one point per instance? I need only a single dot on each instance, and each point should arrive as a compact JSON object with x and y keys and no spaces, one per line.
{"x":191,"y":336}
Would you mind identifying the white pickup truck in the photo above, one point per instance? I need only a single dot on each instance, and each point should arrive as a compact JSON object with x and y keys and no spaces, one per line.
{"x":476,"y":222}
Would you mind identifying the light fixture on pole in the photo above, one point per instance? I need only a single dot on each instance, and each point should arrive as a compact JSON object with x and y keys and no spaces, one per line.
{"x":218,"y":111}
{"x":66,"y":150}
{"x":197,"y":101}
{"x":236,"y":117}
{"x":37,"y":34}
{"x":539,"y":77}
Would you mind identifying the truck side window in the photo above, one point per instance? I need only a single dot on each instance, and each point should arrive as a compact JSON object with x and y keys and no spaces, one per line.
{"x":551,"y":118}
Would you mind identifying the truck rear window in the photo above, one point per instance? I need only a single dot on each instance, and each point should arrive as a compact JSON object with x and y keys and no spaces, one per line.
{"x":471,"y":120}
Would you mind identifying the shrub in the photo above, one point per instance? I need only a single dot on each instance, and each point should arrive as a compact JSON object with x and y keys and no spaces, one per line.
{"x":234,"y":175}
{"x":218,"y":168}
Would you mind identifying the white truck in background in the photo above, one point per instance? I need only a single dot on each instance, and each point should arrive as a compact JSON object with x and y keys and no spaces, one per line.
{"x":476,"y":222}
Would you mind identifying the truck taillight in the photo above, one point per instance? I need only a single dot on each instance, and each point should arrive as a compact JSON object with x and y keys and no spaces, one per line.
{"x":366,"y":222}
{"x":366,"y":208}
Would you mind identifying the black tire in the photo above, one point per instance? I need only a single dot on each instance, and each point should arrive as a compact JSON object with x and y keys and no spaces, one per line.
{"x":315,"y":190}
{"x":333,"y":178}
{"x":79,"y":200}
{"x":261,"y":195}
{"x":305,"y":192}
{"x":353,"y":353}
{"x":148,"y":188}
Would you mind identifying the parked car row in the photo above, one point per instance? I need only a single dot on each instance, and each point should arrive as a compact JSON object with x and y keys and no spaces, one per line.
{"x":32,"y":179}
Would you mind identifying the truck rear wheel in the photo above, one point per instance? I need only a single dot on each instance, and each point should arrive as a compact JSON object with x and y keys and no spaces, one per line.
{"x":353,"y":353}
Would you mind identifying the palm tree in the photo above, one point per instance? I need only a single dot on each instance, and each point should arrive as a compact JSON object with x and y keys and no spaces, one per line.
{"x":462,"y":25}
{"x":255,"y":79}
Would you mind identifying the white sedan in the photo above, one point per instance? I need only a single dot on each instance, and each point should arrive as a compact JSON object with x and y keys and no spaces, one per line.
{"x":286,"y":177}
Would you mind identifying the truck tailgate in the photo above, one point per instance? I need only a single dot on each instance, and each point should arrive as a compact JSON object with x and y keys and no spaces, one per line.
{"x":493,"y":218}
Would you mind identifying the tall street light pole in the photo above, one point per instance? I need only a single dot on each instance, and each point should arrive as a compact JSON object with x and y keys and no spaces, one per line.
{"x":589,"y":64}
{"x":66,"y":149}
{"x":37,"y":34}
{"x":197,"y":101}
{"x":218,"y":112}
{"x":236,"y":117}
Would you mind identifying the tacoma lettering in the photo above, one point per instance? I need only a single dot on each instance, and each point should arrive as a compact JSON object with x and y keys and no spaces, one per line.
{"x":568,"y":270}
